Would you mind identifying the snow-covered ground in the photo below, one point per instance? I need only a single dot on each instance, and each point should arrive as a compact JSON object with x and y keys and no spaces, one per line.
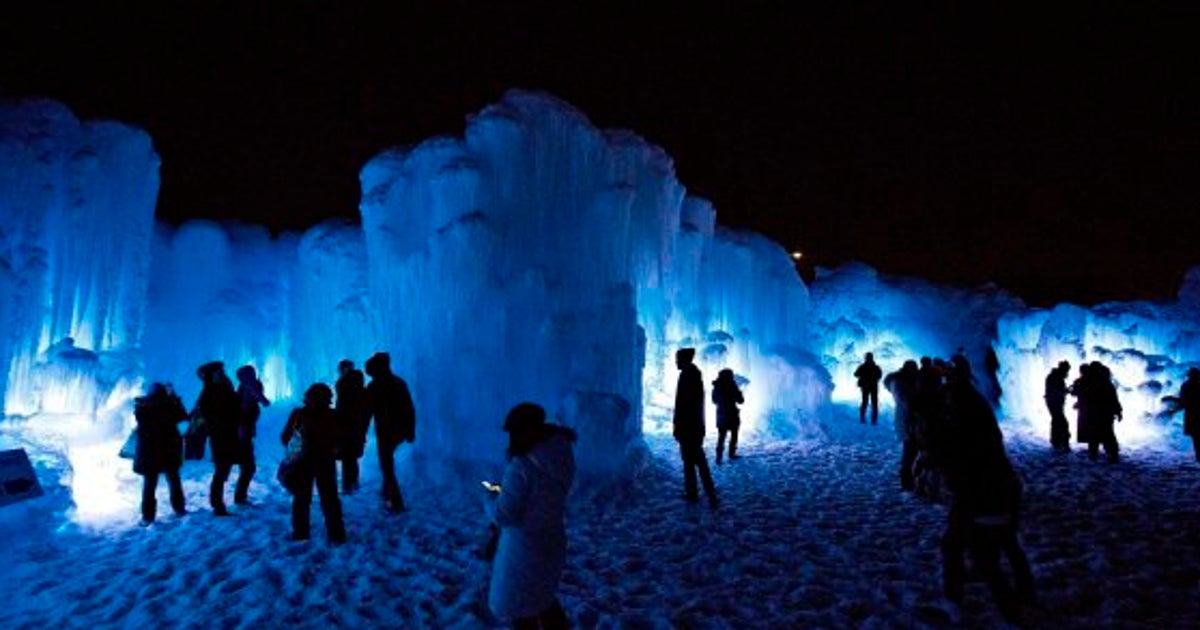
{"x":812,"y":534}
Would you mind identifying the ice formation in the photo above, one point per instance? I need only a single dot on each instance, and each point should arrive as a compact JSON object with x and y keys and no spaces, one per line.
{"x":857,"y":310}
{"x":535,"y":257}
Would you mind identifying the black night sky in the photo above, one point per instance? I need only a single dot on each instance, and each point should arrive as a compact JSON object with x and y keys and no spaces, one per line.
{"x":1055,"y":153}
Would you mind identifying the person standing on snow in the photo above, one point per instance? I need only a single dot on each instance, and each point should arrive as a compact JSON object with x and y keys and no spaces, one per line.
{"x":221,"y":410}
{"x":353,"y":418}
{"x":1056,"y":399}
{"x":529,"y":510}
{"x":1189,"y":401}
{"x":903,"y":387}
{"x":250,"y":393}
{"x":689,"y":427}
{"x":868,"y":375}
{"x":391,"y":405}
{"x":159,"y":447}
{"x":317,"y":425}
{"x":727,"y":396}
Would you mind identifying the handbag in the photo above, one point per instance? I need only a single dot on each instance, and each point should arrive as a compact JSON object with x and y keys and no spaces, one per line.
{"x":290,"y":474}
{"x":129,"y":449}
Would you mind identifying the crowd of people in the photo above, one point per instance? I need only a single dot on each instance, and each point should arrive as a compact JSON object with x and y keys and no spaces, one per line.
{"x":952,"y":448}
{"x":318,"y":436}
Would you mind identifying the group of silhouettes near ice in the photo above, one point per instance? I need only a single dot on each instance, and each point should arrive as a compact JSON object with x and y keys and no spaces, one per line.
{"x":527,"y":509}
{"x":318,"y":435}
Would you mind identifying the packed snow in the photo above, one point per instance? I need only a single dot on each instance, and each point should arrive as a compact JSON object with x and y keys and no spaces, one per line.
{"x":811,"y":533}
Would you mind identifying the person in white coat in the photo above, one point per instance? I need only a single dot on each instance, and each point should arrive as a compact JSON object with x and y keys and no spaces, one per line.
{"x":529,"y":511}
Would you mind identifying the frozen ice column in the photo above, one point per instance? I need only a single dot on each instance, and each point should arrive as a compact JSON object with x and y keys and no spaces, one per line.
{"x":76,"y":216}
{"x":500,"y":268}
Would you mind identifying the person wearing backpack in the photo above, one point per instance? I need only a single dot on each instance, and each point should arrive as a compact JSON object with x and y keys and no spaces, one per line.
{"x":317,"y":425}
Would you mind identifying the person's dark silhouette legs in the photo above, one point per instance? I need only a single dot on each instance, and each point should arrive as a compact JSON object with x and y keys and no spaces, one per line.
{"x":1060,"y":433}
{"x":874,"y":393}
{"x":387,"y":467}
{"x":953,"y":560}
{"x":1019,"y":563}
{"x":149,"y":504}
{"x":1196,"y":446}
{"x":553,"y":618}
{"x":216,"y":489}
{"x":721,"y":444}
{"x":349,"y":475}
{"x":733,"y":442}
{"x":331,"y":506}
{"x":246,"y":470}
{"x":175,"y":484}
{"x":985,"y":550}
{"x":1111,"y":448}
{"x":1093,"y":450}
{"x":862,"y":409}
{"x":907,"y":457}
{"x":302,"y":502}
{"x":689,"y":473}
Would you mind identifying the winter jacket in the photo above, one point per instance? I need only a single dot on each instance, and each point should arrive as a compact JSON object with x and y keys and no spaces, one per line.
{"x":1098,"y":405}
{"x":391,"y":404}
{"x":1056,"y":389}
{"x":903,"y":387}
{"x":974,"y":462}
{"x":250,"y":396}
{"x":221,"y":409}
{"x":318,"y":427}
{"x":727,"y":396}
{"x":530,"y":511}
{"x":689,"y":405}
{"x":1189,"y":398}
{"x":353,"y":414}
{"x":159,"y":445}
{"x":868,"y":375}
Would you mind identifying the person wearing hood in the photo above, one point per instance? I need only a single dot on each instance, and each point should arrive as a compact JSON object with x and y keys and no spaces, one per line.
{"x":903,"y":386}
{"x":985,"y":500}
{"x":250,"y":394}
{"x":529,"y":509}
{"x":688,"y":427}
{"x":221,"y":410}
{"x":391,"y":405}
{"x":727,"y":396}
{"x":353,"y":418}
{"x":159,"y":447}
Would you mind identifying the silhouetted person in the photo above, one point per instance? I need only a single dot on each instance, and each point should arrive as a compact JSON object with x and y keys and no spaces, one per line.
{"x":985,"y":501}
{"x":530,"y":513}
{"x":391,"y":405}
{"x":868,"y":375}
{"x":727,"y":396}
{"x":991,"y":363}
{"x":689,"y":427}
{"x":221,"y":410}
{"x":159,"y":447}
{"x":1056,"y":400}
{"x":318,"y":428}
{"x":250,"y":393}
{"x":903,"y":386}
{"x":353,"y":418}
{"x":1098,"y":406}
{"x":1189,"y":401}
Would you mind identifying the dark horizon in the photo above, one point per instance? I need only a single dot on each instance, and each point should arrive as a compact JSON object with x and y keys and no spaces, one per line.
{"x":961,"y":146}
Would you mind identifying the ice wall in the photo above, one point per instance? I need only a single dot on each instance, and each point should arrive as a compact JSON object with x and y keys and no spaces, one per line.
{"x":1148,"y":346}
{"x":857,"y":310}
{"x":540,"y":258}
{"x":220,"y":292}
{"x":76,"y":213}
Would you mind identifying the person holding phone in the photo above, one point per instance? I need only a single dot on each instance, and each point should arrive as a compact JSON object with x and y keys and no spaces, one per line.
{"x":529,"y":509}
